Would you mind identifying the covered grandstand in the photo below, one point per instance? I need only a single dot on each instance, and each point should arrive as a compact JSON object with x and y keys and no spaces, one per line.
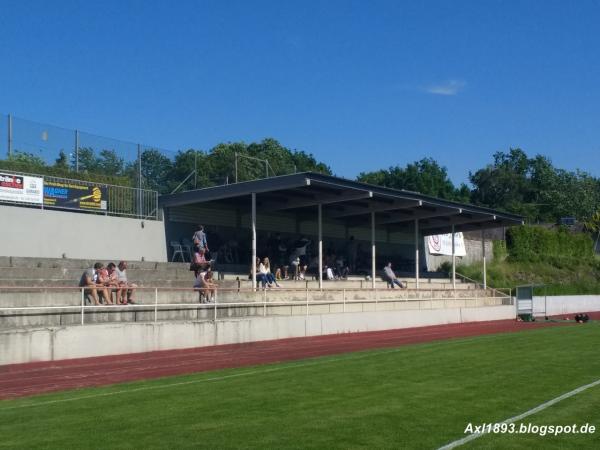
{"x":389,"y":222}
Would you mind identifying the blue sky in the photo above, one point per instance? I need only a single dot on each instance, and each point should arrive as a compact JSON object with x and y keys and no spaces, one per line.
{"x":362,"y":85}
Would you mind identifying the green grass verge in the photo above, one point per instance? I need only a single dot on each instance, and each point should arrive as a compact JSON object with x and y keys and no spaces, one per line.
{"x":418,"y":396}
{"x":572,"y":279}
{"x":580,"y":410}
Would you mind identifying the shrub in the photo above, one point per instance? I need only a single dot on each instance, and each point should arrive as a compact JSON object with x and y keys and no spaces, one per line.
{"x":536,"y":244}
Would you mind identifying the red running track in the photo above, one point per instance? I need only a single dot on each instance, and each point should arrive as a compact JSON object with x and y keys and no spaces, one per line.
{"x":21,"y":380}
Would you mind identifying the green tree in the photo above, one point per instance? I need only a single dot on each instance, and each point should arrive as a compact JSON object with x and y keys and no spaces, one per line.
{"x":86,"y":160}
{"x":27,"y":159}
{"x":425,"y":176}
{"x":156,"y":168}
{"x":534,"y":188}
{"x":593,"y":226}
{"x":110,"y":163}
{"x":62,"y":162}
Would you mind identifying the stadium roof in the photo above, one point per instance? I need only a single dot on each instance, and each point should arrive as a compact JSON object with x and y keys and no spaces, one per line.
{"x":349,"y":201}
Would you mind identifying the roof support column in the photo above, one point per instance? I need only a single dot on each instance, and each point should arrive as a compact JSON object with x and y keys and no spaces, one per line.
{"x":453,"y":260}
{"x":253,"y":262}
{"x":320,"y":221}
{"x":373,"y":250}
{"x":417,"y":252}
{"x":484,"y":259}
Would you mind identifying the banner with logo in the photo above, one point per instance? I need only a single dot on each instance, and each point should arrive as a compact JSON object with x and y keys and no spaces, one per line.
{"x":441,"y":244}
{"x":21,"y":188}
{"x":72,"y":195}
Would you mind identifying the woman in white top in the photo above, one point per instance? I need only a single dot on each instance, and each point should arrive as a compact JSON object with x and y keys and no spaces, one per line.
{"x":265,"y":269}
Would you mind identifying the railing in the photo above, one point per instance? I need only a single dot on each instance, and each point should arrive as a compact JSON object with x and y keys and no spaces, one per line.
{"x":503,"y":291}
{"x":119,"y":200}
{"x":260,"y":301}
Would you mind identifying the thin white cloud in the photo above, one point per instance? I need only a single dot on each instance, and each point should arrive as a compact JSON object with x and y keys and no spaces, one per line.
{"x":450,"y":87}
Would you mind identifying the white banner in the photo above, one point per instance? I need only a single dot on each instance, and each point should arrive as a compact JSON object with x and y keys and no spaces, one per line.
{"x":441,"y":244}
{"x":21,"y":188}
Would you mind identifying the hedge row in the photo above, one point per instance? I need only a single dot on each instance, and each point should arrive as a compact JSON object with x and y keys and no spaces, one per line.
{"x":535,"y":243}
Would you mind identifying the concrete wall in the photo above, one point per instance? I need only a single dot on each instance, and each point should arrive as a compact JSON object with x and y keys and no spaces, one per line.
{"x":563,"y":304}
{"x":46,"y":344}
{"x":50,"y":234}
{"x":473,"y":249}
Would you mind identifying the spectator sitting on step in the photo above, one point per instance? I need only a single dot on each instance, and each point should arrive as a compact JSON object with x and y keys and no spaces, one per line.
{"x":113,"y":284}
{"x":265,"y":268}
{"x":260,"y":277}
{"x":205,"y":286}
{"x":88,"y":281}
{"x":390,"y":277}
{"x":103,"y":282}
{"x":128,"y":289}
{"x":200,"y":263}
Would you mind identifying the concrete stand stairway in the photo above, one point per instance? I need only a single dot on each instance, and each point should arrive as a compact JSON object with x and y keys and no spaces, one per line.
{"x":166,"y":293}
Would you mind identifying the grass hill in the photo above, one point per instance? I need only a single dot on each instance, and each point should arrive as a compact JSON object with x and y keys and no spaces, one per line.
{"x":563,"y":261}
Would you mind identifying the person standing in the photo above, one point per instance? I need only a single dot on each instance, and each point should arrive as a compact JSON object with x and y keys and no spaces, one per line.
{"x":199,"y":240}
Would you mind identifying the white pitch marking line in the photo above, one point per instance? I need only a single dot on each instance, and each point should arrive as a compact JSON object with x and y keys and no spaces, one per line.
{"x":535,"y":410}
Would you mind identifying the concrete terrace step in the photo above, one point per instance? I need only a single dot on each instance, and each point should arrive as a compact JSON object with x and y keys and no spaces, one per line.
{"x":54,"y":263}
{"x":198,"y":312}
{"x":188,"y":281}
{"x":72,"y":297}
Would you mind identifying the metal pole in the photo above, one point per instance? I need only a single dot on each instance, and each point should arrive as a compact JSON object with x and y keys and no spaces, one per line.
{"x":236,"y":168}
{"x":10,"y":136}
{"x":195,"y":169}
{"x":417,"y":252}
{"x":155,"y":305}
{"x":453,"y":261}
{"x":484,"y":259}
{"x":373,"y":250}
{"x":267,"y":168}
{"x":320,"y":226}
{"x":82,"y":305}
{"x":253,"y":263}
{"x":139,"y":149}
{"x":76,"y":150}
{"x":307,"y":301}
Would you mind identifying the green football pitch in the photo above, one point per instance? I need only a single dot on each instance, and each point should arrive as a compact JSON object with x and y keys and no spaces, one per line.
{"x":416,"y":396}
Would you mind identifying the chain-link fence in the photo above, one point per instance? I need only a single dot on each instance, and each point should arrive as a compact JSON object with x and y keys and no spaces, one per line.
{"x":34,"y":147}
{"x":42,"y":144}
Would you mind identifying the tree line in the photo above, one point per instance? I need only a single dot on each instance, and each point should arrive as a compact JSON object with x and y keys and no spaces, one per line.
{"x":512,"y":181}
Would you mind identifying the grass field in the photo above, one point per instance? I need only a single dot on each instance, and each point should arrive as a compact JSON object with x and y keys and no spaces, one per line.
{"x":418,"y":396}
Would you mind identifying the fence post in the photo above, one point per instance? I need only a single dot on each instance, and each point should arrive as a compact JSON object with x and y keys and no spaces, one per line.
{"x":215,"y":310}
{"x":307,"y":300}
{"x":195,"y":169}
{"x":155,"y":304}
{"x":139,"y":152}
{"x":265,"y":303}
{"x":82,"y":305}
{"x":10,"y":136}
{"x":76,"y":150}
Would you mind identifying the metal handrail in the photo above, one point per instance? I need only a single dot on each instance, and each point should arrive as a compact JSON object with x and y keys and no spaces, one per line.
{"x":471,"y":280}
{"x":264,"y":303}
